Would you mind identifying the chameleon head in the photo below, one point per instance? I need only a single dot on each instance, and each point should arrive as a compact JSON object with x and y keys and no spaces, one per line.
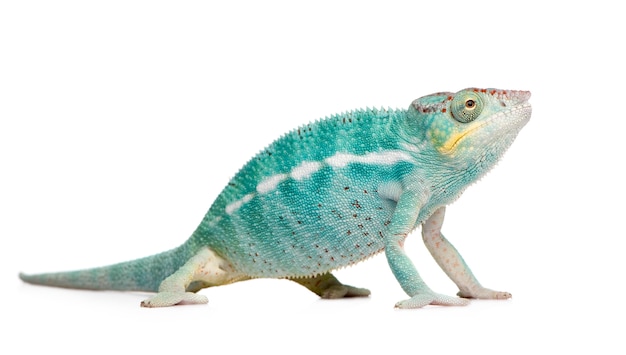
{"x":472,"y":125}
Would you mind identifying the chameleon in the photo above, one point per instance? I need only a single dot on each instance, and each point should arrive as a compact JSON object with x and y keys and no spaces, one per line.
{"x":330,"y":194}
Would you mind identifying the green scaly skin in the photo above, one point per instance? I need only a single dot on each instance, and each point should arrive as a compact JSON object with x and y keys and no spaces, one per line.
{"x":333,"y":193}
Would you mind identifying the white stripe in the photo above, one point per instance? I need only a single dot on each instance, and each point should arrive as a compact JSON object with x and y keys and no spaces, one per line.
{"x":305,"y":170}
{"x":388,"y":157}
{"x":270,"y":183}
{"x":308,"y":168}
{"x":234,"y":206}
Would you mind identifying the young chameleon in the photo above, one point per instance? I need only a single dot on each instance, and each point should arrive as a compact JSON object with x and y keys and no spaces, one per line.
{"x":333,"y":193}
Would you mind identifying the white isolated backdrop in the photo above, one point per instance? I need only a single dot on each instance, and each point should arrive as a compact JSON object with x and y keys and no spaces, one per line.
{"x":121,"y":121}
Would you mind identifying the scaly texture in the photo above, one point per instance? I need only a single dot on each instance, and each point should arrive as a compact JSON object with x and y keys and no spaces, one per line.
{"x":333,"y":193}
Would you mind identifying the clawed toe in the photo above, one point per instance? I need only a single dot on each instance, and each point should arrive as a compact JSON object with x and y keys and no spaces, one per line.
{"x":165,"y":299}
{"x":435,"y":299}
{"x":341,"y":291}
{"x":484,"y":294}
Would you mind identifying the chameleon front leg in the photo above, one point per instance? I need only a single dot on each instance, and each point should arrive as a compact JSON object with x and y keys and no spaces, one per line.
{"x":451,"y":261}
{"x":327,"y":286}
{"x":404,"y":218}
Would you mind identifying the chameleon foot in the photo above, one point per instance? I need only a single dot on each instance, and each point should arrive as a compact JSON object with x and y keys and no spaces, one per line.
{"x":166,"y":299}
{"x":431,"y":298}
{"x":327,"y":286}
{"x":484,"y":294}
{"x":340,"y":291}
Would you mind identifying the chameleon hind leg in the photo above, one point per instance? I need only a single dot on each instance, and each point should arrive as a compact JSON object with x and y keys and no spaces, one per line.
{"x":205,"y":269}
{"x":327,"y":286}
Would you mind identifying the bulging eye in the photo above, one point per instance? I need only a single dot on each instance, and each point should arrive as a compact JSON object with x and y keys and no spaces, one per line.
{"x":467,"y":107}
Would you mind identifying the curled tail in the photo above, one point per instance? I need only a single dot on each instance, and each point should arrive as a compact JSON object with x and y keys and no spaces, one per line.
{"x":145,"y":274}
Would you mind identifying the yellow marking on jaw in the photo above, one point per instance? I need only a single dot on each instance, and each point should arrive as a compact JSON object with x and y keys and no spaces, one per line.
{"x":450,"y":144}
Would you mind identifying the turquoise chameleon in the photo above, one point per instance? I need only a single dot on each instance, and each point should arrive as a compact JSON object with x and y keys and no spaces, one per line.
{"x":333,"y":193}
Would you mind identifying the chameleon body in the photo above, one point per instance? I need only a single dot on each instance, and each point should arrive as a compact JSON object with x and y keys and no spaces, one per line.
{"x":333,"y":193}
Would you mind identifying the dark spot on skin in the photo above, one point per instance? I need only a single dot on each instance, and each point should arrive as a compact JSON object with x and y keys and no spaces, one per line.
{"x":366,"y":234}
{"x":387,"y":222}
{"x":354,"y":215}
{"x":380,"y":234}
{"x":356,"y":204}
{"x":299,"y":222}
{"x":346,"y":188}
{"x":368,"y":218}
{"x":365,"y":191}
{"x":358,"y":246}
{"x":319,"y":205}
{"x":360,"y":226}
{"x":348,"y":232}
{"x":232,"y":184}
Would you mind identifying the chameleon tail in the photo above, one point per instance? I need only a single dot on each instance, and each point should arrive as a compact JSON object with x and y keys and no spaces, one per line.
{"x":145,"y":274}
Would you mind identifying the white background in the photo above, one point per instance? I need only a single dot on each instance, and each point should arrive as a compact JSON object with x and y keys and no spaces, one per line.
{"x":121,"y":121}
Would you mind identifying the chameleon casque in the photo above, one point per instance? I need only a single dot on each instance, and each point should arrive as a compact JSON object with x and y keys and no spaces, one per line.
{"x":330,"y":194}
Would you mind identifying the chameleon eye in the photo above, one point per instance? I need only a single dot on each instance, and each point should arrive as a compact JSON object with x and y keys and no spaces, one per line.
{"x":466,"y":108}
